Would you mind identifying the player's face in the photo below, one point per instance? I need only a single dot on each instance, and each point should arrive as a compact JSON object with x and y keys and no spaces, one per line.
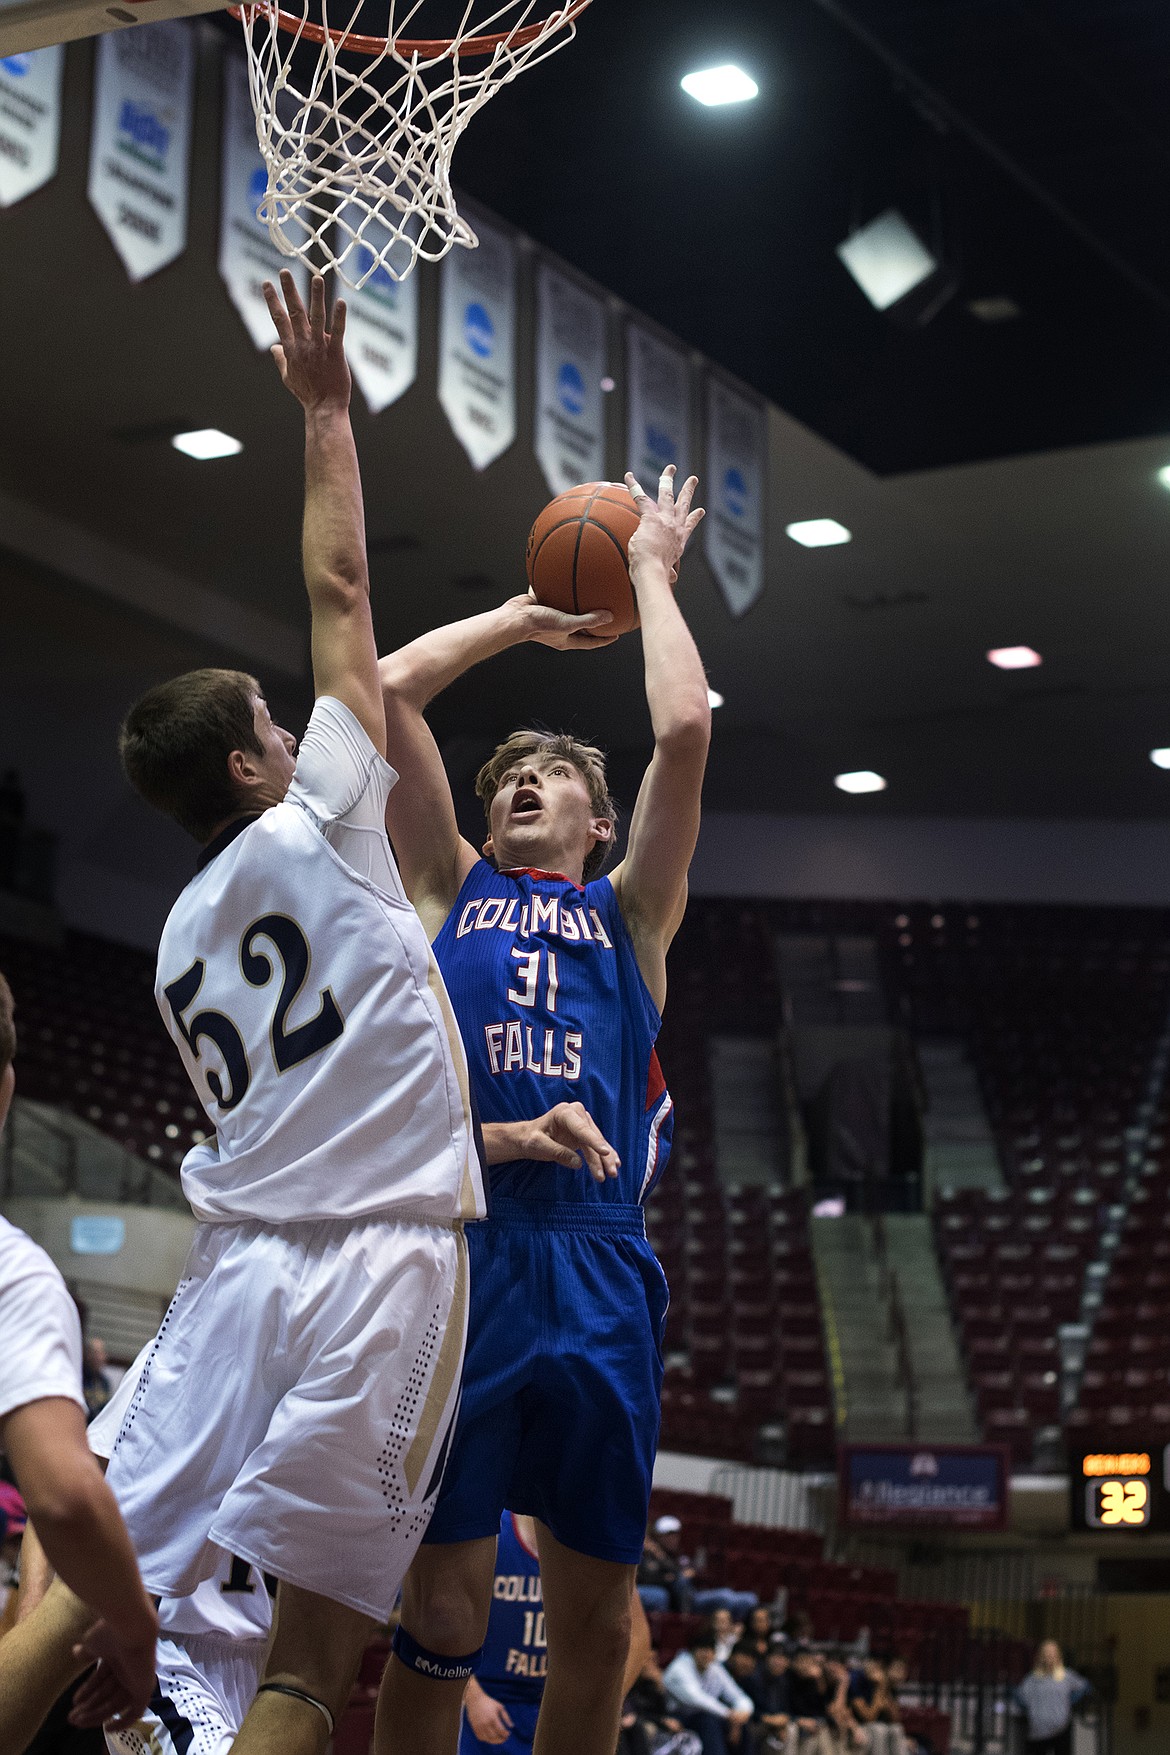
{"x":542,"y":816}
{"x":276,"y":767}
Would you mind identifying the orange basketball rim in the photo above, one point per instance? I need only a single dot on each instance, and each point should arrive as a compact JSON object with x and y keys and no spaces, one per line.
{"x":411,"y":48}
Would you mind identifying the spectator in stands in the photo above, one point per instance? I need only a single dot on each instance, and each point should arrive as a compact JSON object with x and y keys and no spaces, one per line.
{"x":666,"y":1568}
{"x":1047,"y":1698}
{"x":665,"y":1577}
{"x":704,"y":1697}
{"x":873,"y":1707}
{"x":811,"y":1694}
{"x":743,"y":1666}
{"x":759,"y":1631}
{"x":648,"y":1725}
{"x":773,"y":1698}
{"x":798,"y":1630}
{"x":12,"y":809}
{"x":95,"y":1383}
{"x":726,"y":1630}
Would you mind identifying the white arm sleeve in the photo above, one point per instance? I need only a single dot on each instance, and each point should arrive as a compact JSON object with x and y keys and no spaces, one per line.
{"x":343,"y":783}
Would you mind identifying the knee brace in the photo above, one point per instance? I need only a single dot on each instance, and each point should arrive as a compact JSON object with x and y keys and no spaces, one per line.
{"x":298,"y":1694}
{"x":436,"y":1666}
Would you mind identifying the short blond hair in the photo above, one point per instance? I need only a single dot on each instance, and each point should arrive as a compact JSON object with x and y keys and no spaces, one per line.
{"x":589,"y":762}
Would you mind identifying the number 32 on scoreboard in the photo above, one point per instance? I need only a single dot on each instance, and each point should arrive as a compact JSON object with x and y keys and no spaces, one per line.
{"x":1111,"y":1505}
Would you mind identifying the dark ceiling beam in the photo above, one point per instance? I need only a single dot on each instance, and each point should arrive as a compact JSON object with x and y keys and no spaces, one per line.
{"x":946,"y":113}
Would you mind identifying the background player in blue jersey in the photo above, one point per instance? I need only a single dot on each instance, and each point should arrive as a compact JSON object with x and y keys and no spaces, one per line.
{"x":503,"y":1698}
{"x":557,"y":976}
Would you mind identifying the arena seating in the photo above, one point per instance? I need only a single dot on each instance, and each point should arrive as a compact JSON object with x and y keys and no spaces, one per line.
{"x":745,"y":1349}
{"x":1061,"y":1010}
{"x":91,"y":1040}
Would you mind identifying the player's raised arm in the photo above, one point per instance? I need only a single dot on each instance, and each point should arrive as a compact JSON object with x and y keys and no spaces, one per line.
{"x":651,"y":881}
{"x":432,"y":856}
{"x":313,"y":366}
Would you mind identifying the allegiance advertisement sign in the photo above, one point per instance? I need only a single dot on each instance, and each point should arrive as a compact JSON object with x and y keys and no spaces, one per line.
{"x":914,"y":1486}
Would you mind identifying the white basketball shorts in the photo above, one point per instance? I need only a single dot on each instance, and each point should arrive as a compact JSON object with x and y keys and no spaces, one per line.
{"x":204,"y":1688}
{"x":296,"y":1407}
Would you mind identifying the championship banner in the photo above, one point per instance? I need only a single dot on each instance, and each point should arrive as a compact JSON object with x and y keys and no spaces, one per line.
{"x":570,"y":364}
{"x":30,"y":121}
{"x":381,"y":335}
{"x":477,"y":345}
{"x":247,"y":255}
{"x":659,"y":404}
{"x":733,"y":529}
{"x":141,"y":142}
{"x":915,"y":1485}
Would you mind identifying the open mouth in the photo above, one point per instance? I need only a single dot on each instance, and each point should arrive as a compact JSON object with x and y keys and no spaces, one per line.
{"x":525,"y":805}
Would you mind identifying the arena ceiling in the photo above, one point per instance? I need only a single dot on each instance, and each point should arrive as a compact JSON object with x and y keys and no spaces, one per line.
{"x":999,"y":479}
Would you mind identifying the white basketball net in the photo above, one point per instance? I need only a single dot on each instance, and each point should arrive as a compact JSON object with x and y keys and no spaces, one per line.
{"x":358,"y":146}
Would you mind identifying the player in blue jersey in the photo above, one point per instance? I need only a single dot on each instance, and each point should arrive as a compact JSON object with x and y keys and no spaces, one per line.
{"x":558,"y":978}
{"x":502,"y":1701}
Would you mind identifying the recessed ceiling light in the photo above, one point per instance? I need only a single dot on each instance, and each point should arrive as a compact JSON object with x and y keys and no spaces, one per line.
{"x":720,"y":85}
{"x":1164,"y":476}
{"x":1014,"y":658}
{"x":862,"y":780}
{"x":994,"y":309}
{"x":887,"y":259}
{"x":819,"y":532}
{"x":714,"y":698}
{"x":206,"y":443}
{"x":1160,"y":758}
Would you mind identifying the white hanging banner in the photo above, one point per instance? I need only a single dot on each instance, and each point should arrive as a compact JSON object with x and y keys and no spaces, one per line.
{"x":30,"y":121}
{"x":140,"y":148}
{"x":570,"y":364}
{"x":733,"y":529}
{"x":659,"y":407}
{"x":381,"y":333}
{"x":247,"y":255}
{"x":477,"y":345}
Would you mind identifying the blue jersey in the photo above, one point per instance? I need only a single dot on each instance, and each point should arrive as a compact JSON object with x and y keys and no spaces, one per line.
{"x":515,"y":1655}
{"x":553,"y":1008}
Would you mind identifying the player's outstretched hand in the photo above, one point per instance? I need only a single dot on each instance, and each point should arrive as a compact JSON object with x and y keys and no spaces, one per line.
{"x":569,"y":1135}
{"x":488,"y":1718}
{"x":567,"y":633}
{"x":311,"y":358}
{"x":665,"y":525}
{"x":118,"y":1690}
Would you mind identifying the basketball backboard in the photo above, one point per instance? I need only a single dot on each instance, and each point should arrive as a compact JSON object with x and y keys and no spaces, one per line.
{"x":34,"y":24}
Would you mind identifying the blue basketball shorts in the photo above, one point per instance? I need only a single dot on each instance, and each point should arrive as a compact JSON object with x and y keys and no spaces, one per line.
{"x":519,"y":1740}
{"x":562,"y":1378}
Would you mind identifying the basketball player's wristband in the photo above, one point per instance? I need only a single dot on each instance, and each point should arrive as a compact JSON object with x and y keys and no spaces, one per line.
{"x":435,"y":1665}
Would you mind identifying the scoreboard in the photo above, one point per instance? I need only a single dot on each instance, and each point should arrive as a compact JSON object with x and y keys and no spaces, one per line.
{"x":1121,"y":1491}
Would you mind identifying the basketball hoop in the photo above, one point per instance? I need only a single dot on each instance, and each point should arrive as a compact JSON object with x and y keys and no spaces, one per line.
{"x":358,"y":138}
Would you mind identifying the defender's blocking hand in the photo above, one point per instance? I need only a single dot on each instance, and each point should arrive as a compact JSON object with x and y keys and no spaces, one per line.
{"x":310,"y":358}
{"x":666,"y":525}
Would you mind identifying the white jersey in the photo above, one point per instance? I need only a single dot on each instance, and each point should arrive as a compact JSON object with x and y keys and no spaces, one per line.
{"x":40,"y":1331}
{"x":301,"y":991}
{"x":234,"y":1603}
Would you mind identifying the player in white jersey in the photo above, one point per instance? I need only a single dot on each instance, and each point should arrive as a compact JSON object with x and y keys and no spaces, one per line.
{"x":295,"y":1407}
{"x":211,"y":1649}
{"x":42,"y":1430}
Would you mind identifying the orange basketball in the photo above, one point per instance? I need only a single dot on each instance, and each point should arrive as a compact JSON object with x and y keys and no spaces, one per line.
{"x":577,"y":553}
